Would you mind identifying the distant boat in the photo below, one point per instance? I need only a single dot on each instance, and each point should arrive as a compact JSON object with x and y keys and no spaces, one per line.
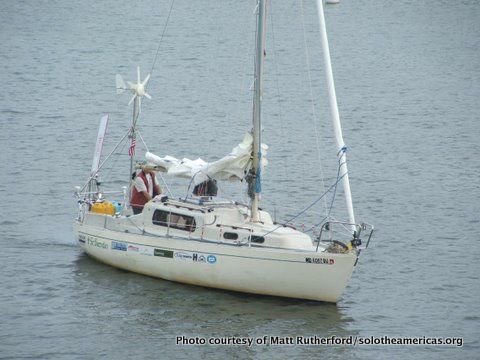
{"x":203,"y":240}
{"x":332,"y":1}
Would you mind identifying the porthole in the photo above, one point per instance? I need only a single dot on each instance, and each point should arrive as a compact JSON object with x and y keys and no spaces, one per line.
{"x":230,"y":236}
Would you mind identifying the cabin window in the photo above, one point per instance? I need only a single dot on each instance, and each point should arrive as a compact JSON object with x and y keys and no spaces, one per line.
{"x":174,"y":220}
{"x":160,"y":218}
{"x":230,"y":236}
{"x":257,"y":239}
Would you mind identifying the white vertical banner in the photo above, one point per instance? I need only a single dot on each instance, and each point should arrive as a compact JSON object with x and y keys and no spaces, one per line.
{"x":99,"y":145}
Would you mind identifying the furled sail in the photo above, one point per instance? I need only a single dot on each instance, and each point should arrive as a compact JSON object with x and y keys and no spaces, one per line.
{"x":234,"y":166}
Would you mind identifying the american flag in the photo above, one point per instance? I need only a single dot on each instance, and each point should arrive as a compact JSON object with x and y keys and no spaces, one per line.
{"x":131,"y":149}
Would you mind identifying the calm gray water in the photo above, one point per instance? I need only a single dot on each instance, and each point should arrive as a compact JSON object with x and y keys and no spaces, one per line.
{"x":408,"y":83}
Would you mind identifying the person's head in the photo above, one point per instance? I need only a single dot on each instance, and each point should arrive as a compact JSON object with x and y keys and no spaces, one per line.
{"x":149,"y":168}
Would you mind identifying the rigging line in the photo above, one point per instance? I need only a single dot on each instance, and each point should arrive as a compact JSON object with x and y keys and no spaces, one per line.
{"x":282,"y":122}
{"x":191,"y":181}
{"x":314,"y":113}
{"x":161,"y":176}
{"x":333,"y":197}
{"x":308,"y":207}
{"x":114,"y":162}
{"x":105,"y":160}
{"x":161,"y":38}
{"x":141,"y":138}
{"x":166,"y":186}
{"x":244,"y":88}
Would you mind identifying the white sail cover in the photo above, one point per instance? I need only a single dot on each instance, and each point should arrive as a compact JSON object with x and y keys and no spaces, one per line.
{"x":234,"y":166}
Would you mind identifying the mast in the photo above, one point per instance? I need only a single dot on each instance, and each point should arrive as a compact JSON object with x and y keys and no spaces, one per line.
{"x":255,"y":180}
{"x":132,"y":136}
{"x":342,"y":158}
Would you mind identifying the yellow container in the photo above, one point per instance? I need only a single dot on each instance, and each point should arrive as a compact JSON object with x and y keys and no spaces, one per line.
{"x":105,"y":207}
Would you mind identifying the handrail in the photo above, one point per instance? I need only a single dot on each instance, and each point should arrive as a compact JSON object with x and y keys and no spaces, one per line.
{"x":98,"y":192}
{"x":355,"y":242}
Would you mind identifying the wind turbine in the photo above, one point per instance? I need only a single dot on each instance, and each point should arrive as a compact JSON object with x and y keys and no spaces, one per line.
{"x":138,"y":89}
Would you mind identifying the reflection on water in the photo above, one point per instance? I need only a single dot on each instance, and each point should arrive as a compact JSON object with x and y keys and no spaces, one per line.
{"x":125,"y":302}
{"x":151,"y":291}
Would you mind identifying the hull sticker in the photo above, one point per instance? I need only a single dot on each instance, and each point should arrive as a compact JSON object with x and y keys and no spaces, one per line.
{"x":117,"y":245}
{"x":163,"y":253}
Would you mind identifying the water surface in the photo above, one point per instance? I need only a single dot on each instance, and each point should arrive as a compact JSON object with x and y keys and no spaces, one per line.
{"x":407,"y":76}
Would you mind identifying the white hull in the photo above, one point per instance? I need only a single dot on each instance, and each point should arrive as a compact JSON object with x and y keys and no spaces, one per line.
{"x":290,"y":273}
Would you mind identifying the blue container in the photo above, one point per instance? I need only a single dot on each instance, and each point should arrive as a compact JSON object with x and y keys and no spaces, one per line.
{"x":118,"y":206}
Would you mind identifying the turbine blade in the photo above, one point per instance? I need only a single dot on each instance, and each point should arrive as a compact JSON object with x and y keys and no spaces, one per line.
{"x":138,"y":75}
{"x":144,"y":83}
{"x":132,"y":85}
{"x":131,"y":100}
{"x":148,"y":96}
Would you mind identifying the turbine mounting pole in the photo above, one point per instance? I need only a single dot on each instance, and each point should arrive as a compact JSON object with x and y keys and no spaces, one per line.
{"x":138,"y":91}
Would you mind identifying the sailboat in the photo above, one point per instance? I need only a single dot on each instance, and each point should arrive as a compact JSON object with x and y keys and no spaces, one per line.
{"x":207,"y":241}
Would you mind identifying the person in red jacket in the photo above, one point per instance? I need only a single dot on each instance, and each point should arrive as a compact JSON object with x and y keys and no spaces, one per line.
{"x":145,"y":187}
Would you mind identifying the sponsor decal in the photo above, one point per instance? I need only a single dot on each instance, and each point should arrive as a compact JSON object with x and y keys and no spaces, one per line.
{"x":117,"y":245}
{"x":195,"y":257}
{"x":163,"y":253}
{"x":199,"y":257}
{"x":184,"y":256}
{"x":321,"y":261}
{"x":133,"y":248}
{"x":212,"y":259}
{"x":93,"y":241}
{"x":146,"y":251}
